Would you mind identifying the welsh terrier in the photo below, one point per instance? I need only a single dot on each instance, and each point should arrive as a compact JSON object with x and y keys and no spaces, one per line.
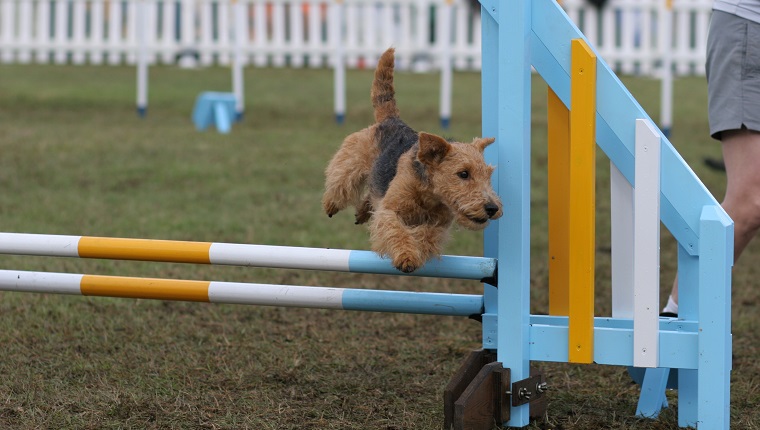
{"x":410,"y":186}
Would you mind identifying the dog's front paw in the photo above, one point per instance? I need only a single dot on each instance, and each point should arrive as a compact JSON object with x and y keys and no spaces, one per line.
{"x":330,"y":208}
{"x":407,"y":263}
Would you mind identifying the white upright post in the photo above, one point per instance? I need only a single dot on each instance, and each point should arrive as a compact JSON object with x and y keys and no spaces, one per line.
{"x":621,"y":219}
{"x":444,"y":46}
{"x":339,"y":62}
{"x":666,"y":92}
{"x":646,"y":246}
{"x":240,"y":34}
{"x":142,"y":59}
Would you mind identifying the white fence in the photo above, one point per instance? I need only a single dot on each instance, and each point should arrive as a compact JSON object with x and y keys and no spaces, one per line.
{"x":305,"y":33}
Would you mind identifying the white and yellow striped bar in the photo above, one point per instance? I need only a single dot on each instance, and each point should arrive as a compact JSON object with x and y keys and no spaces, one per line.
{"x":243,"y":293}
{"x":282,"y":257}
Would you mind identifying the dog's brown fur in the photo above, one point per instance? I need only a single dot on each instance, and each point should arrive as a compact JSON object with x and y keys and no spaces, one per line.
{"x":417,"y":184}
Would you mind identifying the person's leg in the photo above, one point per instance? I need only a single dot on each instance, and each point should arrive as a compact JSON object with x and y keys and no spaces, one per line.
{"x":741,"y":152}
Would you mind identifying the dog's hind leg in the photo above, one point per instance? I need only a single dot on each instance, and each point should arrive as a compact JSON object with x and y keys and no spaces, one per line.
{"x":346,"y":175}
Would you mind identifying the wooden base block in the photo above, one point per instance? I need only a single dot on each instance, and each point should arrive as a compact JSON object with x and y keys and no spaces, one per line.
{"x":478,"y":396}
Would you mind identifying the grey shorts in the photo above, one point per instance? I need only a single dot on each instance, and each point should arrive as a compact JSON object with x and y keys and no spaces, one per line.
{"x":733,"y":73}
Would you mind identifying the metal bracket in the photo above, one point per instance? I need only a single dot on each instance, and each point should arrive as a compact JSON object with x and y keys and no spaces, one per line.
{"x":528,"y":390}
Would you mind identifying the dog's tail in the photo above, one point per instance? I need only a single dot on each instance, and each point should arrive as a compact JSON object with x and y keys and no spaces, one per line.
{"x":383,"y":94}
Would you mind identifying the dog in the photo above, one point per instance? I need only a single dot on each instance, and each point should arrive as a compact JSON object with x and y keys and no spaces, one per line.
{"x":410,"y":186}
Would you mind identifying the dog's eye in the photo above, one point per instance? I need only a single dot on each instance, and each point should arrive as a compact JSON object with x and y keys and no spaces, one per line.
{"x":464,"y":174}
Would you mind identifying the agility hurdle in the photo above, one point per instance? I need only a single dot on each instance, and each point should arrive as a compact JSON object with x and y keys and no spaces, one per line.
{"x":590,"y":107}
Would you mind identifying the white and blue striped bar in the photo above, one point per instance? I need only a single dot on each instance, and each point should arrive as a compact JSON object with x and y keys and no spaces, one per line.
{"x":283,"y":257}
{"x":243,"y":293}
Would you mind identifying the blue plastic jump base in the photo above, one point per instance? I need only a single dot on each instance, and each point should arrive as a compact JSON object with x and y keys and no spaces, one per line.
{"x":214,"y":108}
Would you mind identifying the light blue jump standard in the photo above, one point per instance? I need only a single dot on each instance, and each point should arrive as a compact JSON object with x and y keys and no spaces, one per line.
{"x":515,"y":35}
{"x":215,"y":108}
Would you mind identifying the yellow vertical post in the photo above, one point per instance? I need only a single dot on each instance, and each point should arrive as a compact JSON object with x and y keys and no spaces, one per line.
{"x":582,"y":202}
{"x":558,"y":136}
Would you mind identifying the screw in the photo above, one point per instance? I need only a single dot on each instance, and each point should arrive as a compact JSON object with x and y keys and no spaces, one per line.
{"x":524,"y":394}
{"x":542,"y":387}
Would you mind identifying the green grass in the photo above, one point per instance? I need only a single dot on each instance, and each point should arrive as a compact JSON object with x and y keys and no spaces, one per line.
{"x":76,"y":160}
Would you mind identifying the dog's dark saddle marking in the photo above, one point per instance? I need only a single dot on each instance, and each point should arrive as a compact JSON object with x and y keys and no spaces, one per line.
{"x":394,"y":138}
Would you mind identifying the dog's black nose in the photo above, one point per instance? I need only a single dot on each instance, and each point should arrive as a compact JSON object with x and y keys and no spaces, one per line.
{"x":491,"y":209}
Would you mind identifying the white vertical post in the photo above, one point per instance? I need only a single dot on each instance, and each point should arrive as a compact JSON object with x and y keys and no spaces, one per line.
{"x":339,"y":61}
{"x":240,"y":34}
{"x":142,"y":58}
{"x":621,"y":219}
{"x":444,"y":46}
{"x":646,"y":246}
{"x":666,"y":54}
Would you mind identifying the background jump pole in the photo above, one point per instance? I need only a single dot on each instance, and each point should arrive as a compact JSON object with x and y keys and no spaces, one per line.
{"x":240,"y":29}
{"x":142,"y":59}
{"x":339,"y":60}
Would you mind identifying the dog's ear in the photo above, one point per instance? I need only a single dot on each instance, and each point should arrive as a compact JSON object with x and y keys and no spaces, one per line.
{"x":482,"y":142}
{"x":432,"y":149}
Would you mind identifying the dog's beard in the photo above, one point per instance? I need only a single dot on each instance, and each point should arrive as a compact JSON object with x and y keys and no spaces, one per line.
{"x":471,"y":222}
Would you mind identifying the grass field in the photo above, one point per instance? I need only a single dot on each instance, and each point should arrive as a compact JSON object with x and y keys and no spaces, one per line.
{"x":76,"y":160}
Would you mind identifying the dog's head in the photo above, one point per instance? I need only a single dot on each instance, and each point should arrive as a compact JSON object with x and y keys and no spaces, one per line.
{"x":459,"y":176}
